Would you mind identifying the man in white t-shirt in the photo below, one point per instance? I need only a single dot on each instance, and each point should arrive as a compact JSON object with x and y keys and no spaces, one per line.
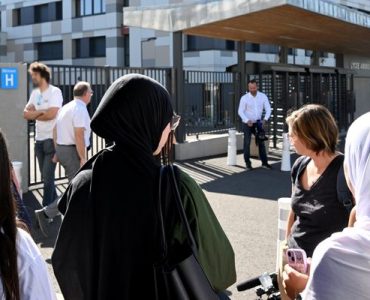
{"x":72,"y":138}
{"x":250,"y":111}
{"x":43,"y":107}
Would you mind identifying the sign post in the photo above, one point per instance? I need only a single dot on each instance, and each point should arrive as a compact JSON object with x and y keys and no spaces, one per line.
{"x":9,"y":78}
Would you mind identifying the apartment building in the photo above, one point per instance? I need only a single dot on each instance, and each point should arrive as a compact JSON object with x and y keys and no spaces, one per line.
{"x":79,"y":32}
{"x":91,"y":32}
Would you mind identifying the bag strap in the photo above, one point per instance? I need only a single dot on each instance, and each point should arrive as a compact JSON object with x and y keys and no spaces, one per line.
{"x":181,"y":210}
{"x":344,"y":194}
{"x":162,"y":233}
{"x":170,"y":171}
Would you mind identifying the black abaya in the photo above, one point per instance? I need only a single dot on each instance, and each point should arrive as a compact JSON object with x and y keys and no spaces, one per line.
{"x":107,"y":242}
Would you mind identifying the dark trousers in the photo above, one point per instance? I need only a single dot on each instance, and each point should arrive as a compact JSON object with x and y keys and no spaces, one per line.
{"x":69,"y":159}
{"x":248,"y":131}
{"x":45,"y":151}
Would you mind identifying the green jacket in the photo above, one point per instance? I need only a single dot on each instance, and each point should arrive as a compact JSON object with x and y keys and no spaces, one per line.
{"x":215,"y":253}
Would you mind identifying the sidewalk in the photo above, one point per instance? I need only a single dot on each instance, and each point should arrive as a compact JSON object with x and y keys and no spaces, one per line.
{"x":244,"y":202}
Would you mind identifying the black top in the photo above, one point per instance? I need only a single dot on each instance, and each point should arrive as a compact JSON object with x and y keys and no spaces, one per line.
{"x":318,"y":211}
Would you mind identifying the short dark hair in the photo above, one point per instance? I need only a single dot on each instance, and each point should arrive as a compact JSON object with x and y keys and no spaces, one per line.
{"x":42,"y":69}
{"x":80,"y":88}
{"x":252,"y":81}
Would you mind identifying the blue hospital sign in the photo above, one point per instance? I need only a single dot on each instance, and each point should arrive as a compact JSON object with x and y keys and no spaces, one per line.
{"x":9,"y":78}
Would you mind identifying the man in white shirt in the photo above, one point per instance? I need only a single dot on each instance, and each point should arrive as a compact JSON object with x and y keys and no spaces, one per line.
{"x":250,"y":111}
{"x":43,"y":107}
{"x":72,"y":138}
{"x":72,"y":130}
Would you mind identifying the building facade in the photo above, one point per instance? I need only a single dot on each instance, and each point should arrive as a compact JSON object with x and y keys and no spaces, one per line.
{"x":154,"y":48}
{"x":91,"y":33}
{"x":79,"y":32}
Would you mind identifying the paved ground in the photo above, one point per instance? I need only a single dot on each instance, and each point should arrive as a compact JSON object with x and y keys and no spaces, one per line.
{"x":244,"y":202}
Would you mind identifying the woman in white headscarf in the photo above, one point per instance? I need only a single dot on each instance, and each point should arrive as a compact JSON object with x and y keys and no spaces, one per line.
{"x":340,"y":267}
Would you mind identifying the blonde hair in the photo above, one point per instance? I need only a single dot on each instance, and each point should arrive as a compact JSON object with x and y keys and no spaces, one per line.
{"x":316,"y":127}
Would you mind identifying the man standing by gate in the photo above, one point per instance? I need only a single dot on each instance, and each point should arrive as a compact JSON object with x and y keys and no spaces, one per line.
{"x":250,"y":111}
{"x":72,"y":138}
{"x":42,"y":107}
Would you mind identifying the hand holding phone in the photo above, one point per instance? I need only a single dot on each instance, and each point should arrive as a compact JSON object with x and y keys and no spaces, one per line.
{"x":297,"y":259}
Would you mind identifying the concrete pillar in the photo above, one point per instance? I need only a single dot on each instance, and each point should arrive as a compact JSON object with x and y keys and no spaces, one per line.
{"x":178,"y":92}
{"x":240,"y":81}
{"x":241,"y":67}
{"x":12,"y":123}
{"x":315,"y":58}
{"x":283,"y":55}
{"x":339,"y":60}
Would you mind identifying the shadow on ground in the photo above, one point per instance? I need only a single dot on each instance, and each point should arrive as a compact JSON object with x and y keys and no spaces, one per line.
{"x":257,"y":183}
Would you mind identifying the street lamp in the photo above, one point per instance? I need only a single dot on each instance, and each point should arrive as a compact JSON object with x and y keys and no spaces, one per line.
{"x":142,"y":48}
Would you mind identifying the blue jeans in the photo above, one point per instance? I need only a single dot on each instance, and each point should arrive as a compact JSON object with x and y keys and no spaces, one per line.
{"x":248,"y":131}
{"x":45,"y":151}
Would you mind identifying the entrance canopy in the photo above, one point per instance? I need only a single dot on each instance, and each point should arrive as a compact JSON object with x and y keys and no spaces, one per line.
{"x":309,"y":24}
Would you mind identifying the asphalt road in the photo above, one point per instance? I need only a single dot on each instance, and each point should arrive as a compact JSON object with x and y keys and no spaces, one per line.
{"x":244,"y":202}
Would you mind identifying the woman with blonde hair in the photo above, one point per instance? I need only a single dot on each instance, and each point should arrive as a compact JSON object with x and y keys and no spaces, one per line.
{"x":340,"y":267}
{"x":316,"y":212}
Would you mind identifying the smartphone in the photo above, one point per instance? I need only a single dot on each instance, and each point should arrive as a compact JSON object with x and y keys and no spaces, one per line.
{"x":297,"y":259}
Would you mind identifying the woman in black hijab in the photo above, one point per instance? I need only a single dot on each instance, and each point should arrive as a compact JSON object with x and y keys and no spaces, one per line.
{"x":108,"y":240}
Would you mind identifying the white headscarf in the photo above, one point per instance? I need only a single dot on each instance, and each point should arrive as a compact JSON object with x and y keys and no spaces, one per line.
{"x":340,"y":267}
{"x":357,"y":160}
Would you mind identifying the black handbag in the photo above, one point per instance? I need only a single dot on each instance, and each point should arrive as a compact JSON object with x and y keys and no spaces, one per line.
{"x":184,"y":279}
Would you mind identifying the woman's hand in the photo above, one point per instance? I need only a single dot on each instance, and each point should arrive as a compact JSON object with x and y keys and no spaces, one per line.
{"x":293,"y":281}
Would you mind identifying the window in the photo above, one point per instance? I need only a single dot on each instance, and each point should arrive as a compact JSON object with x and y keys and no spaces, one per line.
{"x":271,"y":49}
{"x":89,"y":47}
{"x":24,"y":16}
{"x":50,"y":50}
{"x":89,"y":7}
{"x":52,"y":11}
{"x":42,"y":13}
{"x":59,"y":10}
{"x":196,"y":43}
{"x":252,"y":47}
{"x":97,"y":46}
{"x":292,"y":51}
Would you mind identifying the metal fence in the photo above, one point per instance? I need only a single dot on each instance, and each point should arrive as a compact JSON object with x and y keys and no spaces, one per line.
{"x":100,"y":78}
{"x":290,"y":87}
{"x":209,"y":102}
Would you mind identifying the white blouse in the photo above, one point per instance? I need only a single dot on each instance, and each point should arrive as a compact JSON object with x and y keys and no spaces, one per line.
{"x":34,"y":280}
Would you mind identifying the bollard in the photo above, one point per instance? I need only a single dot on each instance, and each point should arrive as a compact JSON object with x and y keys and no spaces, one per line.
{"x":284,"y":205}
{"x":285,"y":160}
{"x":231,"y":148}
{"x":17,"y":166}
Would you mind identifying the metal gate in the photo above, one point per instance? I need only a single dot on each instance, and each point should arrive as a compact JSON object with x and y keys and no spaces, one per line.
{"x":209,"y":102}
{"x":289,"y":87}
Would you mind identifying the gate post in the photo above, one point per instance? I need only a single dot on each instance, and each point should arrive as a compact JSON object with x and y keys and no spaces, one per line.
{"x":13,"y":95}
{"x":177,"y":54}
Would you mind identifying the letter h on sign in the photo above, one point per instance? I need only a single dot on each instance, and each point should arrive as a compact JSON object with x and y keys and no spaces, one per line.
{"x":9,"y":78}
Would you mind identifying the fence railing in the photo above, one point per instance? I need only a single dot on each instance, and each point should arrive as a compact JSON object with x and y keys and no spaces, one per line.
{"x":210,"y":98}
{"x":209,"y":102}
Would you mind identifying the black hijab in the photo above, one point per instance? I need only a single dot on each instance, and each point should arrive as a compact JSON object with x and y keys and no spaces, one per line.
{"x":108,"y":239}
